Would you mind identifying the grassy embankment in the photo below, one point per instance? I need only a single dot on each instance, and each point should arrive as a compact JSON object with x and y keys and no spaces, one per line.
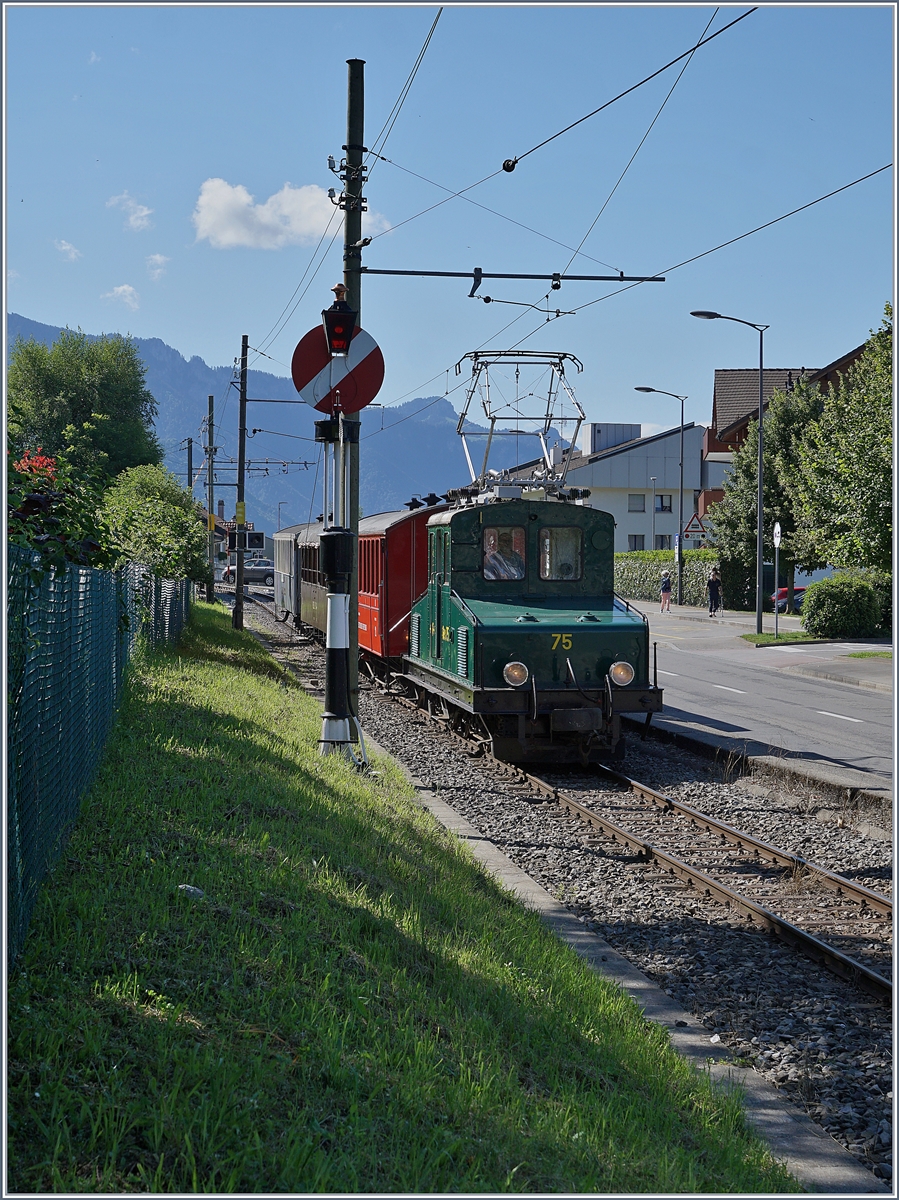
{"x":352,"y":1005}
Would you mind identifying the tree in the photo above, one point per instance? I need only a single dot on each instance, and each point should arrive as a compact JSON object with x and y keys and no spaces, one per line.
{"x":155,"y":521}
{"x":844,"y":487}
{"x":83,"y":397}
{"x":734,"y":518}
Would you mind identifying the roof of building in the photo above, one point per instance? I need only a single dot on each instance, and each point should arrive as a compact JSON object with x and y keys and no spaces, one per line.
{"x":736,"y":395}
{"x":828,"y":375}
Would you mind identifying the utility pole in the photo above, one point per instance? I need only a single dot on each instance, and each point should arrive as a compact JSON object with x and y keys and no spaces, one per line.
{"x":210,"y":498}
{"x":240,"y":509}
{"x":190,"y":466}
{"x":352,"y":278}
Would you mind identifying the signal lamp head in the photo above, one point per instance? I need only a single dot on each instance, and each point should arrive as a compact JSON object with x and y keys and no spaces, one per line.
{"x":339,"y":329}
{"x":515,"y":674}
{"x":622,"y":673}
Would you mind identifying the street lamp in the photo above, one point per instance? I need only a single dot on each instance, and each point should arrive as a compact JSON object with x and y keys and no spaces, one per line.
{"x":652,"y":480}
{"x":680,"y":507}
{"x":280,"y":502}
{"x":759,"y":556}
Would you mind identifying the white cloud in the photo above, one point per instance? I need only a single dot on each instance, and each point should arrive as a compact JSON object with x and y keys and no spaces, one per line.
{"x":126,"y":293}
{"x":12,"y":274}
{"x":94,"y":58}
{"x":156,"y":265}
{"x":68,"y":250}
{"x":226,"y":216}
{"x":138,"y":214}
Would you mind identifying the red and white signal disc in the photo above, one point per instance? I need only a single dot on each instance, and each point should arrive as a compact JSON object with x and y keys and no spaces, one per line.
{"x":318,"y":377}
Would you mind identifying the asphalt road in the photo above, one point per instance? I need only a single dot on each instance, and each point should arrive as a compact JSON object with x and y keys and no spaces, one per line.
{"x":752,"y":699}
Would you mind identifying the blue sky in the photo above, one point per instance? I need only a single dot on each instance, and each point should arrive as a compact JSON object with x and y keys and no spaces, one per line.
{"x":166,"y":175}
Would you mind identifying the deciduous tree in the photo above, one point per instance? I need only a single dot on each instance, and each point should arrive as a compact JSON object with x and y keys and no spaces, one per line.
{"x":83,"y":397}
{"x":844,"y":488}
{"x":734,"y":518}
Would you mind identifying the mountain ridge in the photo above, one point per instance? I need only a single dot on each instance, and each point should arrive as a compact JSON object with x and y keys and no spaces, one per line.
{"x":406,"y":449}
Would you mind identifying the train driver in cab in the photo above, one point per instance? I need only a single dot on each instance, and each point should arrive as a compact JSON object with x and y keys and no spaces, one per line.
{"x":502,"y":560}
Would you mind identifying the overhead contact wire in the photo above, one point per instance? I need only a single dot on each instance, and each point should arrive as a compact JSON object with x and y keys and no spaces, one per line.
{"x":633,"y":87}
{"x":640,"y":144}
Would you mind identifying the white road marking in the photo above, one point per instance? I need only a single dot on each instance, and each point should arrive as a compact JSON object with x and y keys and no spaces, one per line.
{"x":839,"y":716}
{"x":724,"y":688}
{"x":674,"y":674}
{"x":790,"y":650}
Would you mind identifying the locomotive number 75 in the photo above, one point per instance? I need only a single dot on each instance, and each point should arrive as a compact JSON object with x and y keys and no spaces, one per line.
{"x":564,"y":638}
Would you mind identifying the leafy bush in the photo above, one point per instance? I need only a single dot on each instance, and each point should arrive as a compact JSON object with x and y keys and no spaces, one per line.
{"x":843,"y":606}
{"x":882,"y":583}
{"x":154,"y":521}
{"x":53,"y":510}
{"x":638,"y":573}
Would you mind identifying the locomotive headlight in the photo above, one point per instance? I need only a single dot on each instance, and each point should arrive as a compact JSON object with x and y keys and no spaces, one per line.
{"x":515,"y":674}
{"x":622,"y":673}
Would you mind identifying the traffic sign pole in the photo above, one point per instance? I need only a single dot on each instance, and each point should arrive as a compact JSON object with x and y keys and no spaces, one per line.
{"x":776,"y":572}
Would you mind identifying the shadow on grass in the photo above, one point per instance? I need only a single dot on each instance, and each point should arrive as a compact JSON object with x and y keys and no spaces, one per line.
{"x":353,"y":1005}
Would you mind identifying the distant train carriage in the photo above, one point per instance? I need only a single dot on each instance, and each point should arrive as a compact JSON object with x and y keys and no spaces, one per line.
{"x":385,"y":597}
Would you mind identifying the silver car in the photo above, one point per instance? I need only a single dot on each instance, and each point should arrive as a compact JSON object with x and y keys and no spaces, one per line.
{"x":255,"y":570}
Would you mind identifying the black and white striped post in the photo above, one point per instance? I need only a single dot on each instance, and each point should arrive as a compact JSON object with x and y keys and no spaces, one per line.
{"x":336,"y":554}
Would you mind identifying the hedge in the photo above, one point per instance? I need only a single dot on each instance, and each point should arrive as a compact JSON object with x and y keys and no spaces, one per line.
{"x":638,"y":574}
{"x":842,"y":606}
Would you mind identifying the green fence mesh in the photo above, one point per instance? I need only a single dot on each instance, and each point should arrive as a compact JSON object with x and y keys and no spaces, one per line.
{"x":69,"y":639}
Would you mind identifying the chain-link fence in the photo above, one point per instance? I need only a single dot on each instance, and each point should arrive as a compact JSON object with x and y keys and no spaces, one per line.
{"x":69,"y":640}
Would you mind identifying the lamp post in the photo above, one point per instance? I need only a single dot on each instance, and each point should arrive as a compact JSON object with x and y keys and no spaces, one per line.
{"x":680,"y":507}
{"x":759,"y":556}
{"x":652,"y":480}
{"x":280,"y":502}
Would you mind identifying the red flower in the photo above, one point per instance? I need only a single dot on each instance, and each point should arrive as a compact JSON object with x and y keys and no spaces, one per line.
{"x":39,"y":464}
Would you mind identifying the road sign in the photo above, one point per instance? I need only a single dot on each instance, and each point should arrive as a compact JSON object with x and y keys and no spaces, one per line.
{"x":776,"y":534}
{"x":694,"y":527}
{"x":318,"y":377}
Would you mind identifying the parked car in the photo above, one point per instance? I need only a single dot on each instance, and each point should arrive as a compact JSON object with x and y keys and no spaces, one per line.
{"x":255,"y":570}
{"x":798,"y":593}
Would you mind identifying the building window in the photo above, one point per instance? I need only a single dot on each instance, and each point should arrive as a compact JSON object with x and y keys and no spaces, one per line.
{"x":635,"y":541}
{"x":663,"y":541}
{"x":663,"y":504}
{"x":636,"y":503}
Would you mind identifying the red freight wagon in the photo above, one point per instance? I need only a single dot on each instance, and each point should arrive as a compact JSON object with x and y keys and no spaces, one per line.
{"x":401,"y":538}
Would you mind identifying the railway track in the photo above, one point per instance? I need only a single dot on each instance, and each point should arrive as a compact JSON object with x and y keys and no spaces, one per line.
{"x":831,"y":919}
{"x":807,"y":1030}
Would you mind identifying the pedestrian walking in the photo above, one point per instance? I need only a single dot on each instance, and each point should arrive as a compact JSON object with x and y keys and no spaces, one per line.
{"x":665,"y":592}
{"x":713,"y":587}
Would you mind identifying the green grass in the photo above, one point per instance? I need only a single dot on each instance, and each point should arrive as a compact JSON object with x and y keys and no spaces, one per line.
{"x":768,"y":639}
{"x":353,"y":1004}
{"x":868,"y":654}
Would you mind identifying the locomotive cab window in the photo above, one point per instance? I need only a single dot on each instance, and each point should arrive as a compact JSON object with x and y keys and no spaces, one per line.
{"x":561,"y":553}
{"x":504,"y":552}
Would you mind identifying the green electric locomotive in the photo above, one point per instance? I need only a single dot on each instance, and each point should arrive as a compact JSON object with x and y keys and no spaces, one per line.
{"x":520,"y":636}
